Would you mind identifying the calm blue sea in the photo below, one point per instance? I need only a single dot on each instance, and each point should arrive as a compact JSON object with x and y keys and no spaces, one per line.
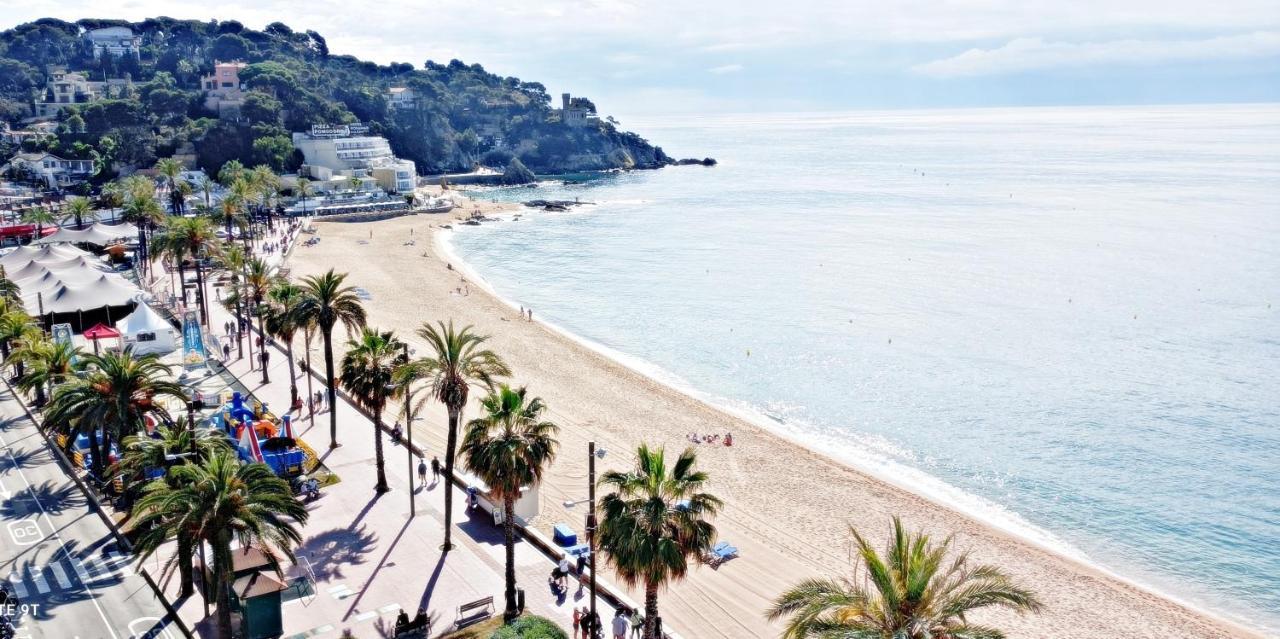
{"x":1064,"y":320}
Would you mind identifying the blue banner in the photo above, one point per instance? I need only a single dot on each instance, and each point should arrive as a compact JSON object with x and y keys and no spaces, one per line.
{"x":193,"y":353}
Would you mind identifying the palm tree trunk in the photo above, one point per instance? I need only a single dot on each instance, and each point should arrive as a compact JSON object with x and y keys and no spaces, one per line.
{"x":221,"y":575}
{"x":95,"y":450}
{"x":451,"y":447}
{"x":651,"y":611}
{"x":381,"y":463}
{"x":186,"y":575}
{"x":182,"y":281}
{"x":293,"y":378}
{"x":311,"y":405}
{"x":333,"y":392}
{"x":509,"y":539}
{"x":200,"y":299}
{"x":262,"y":332}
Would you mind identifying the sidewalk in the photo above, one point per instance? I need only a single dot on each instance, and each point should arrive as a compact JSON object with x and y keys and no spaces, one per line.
{"x":369,"y":560}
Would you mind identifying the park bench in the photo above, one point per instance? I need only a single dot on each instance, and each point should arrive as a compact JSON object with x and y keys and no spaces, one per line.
{"x":478,"y":610}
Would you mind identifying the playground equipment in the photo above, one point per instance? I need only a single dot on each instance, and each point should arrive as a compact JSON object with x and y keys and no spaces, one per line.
{"x":260,"y":436}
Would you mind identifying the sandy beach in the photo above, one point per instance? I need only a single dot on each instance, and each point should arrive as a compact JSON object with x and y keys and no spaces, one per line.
{"x":788,"y":508}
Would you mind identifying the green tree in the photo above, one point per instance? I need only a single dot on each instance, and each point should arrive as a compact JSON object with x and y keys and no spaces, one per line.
{"x":192,"y":237}
{"x":79,"y":208}
{"x":170,"y":169}
{"x":911,"y":591}
{"x":655,"y":521}
{"x":114,"y":395}
{"x":218,"y":502}
{"x":177,"y":443}
{"x":509,"y":448}
{"x":39,"y":216}
{"x":283,"y":322}
{"x":327,"y":302}
{"x":367,"y":370}
{"x":46,"y":364}
{"x":458,"y":360}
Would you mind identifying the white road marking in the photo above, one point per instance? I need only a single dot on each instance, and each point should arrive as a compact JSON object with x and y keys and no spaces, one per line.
{"x":78,"y":567}
{"x":37,"y":577}
{"x":151,"y":629}
{"x":19,"y":584}
{"x":26,"y":532}
{"x":60,"y":574}
{"x":93,"y":596}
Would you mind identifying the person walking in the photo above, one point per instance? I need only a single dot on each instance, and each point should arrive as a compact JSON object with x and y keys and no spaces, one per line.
{"x":620,"y":625}
{"x":435,"y":469}
{"x":226,"y":352}
{"x":422,"y":471}
{"x":637,"y":623}
{"x":577,"y":623}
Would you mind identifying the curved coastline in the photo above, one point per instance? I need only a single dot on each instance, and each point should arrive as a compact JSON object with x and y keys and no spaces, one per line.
{"x":913,"y":480}
{"x":1089,"y":600}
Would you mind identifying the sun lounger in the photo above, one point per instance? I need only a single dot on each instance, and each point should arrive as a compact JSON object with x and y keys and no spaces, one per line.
{"x":722,"y":552}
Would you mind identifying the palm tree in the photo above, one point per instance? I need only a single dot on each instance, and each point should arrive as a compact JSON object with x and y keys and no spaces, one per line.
{"x":142,"y":209}
{"x":326,"y":302}
{"x":655,"y":520}
{"x":206,"y":186}
{"x":282,"y":321}
{"x":257,"y":281}
{"x":458,"y":361}
{"x":170,"y":168}
{"x":15,"y":324}
{"x":10,"y":292}
{"x":231,"y":171}
{"x":509,"y":448}
{"x":179,"y":442}
{"x":79,"y":208}
{"x":47,"y":364}
{"x":194,"y":237}
{"x":111,"y":198}
{"x":266,"y":185}
{"x":38,"y":216}
{"x":303,"y":190}
{"x":115,"y":395}
{"x":217,"y":502}
{"x":367,"y":370}
{"x":911,"y":591}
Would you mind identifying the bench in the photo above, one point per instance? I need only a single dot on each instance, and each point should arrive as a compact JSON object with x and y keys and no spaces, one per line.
{"x":478,"y":610}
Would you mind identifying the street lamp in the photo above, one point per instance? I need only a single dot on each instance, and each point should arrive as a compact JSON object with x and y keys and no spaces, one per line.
{"x":592,"y":454}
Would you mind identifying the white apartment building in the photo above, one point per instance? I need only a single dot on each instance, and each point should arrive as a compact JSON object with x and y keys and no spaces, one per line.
{"x":54,"y":171}
{"x":114,"y":41}
{"x":401,"y":98}
{"x":344,"y":150}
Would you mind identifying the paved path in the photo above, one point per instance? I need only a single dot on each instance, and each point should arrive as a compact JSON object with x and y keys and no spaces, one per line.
{"x":368,"y":558}
{"x":57,"y":555}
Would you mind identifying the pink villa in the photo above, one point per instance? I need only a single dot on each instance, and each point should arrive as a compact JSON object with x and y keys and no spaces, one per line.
{"x":223,"y":91}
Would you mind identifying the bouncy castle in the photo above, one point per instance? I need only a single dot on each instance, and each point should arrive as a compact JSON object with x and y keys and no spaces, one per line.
{"x":259,"y":436}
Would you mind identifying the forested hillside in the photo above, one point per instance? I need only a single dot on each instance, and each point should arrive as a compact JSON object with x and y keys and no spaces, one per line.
{"x":464,"y":115}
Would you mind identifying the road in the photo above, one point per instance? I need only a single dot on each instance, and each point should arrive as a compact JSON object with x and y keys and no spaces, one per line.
{"x":58,"y":555}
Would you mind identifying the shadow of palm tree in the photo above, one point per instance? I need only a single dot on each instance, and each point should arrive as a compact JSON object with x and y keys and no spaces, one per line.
{"x":53,"y":498}
{"x":330,"y":550}
{"x":26,"y":458}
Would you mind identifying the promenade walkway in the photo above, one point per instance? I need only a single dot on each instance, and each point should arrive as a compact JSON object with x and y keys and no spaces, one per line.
{"x":368,"y":558}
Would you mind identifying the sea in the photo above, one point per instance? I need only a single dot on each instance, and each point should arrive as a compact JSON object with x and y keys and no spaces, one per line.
{"x":1065,"y":321}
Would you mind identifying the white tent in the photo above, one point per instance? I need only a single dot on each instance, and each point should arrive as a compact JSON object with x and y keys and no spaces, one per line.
{"x":98,"y":234}
{"x":23,"y":255}
{"x":91,"y":295}
{"x":147,"y":331}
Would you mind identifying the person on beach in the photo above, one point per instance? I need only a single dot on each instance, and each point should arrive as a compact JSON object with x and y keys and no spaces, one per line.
{"x":728,"y":439}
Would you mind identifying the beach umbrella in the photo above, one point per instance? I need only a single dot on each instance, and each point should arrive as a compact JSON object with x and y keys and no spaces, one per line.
{"x":100,"y":331}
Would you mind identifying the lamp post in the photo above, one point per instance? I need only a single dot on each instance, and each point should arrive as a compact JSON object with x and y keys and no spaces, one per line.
{"x":408,"y":425}
{"x":591,"y":519}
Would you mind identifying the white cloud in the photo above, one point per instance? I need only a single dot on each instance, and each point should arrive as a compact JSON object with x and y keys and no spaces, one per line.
{"x":725,"y":68}
{"x":1030,"y":54}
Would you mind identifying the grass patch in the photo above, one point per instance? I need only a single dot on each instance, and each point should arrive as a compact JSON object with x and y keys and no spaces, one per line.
{"x":481,"y":630}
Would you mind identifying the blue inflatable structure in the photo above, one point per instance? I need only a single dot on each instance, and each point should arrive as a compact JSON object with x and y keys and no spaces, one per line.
{"x":258,"y":436}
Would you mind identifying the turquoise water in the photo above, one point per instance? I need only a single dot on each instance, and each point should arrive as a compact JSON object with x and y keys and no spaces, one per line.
{"x":1064,"y":320}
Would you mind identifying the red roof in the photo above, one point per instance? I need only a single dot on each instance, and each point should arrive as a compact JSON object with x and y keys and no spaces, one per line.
{"x":101,"y":331}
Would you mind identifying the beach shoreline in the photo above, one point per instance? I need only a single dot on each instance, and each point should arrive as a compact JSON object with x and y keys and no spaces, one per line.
{"x":783,"y":528}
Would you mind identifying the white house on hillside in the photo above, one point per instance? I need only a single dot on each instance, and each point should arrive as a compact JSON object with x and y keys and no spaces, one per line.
{"x":55,"y":172}
{"x":114,"y":41}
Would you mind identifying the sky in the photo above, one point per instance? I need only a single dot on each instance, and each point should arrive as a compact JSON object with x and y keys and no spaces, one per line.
{"x":651,"y":57}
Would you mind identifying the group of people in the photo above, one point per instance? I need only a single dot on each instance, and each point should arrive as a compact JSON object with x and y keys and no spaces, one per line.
{"x":526,"y":314}
{"x":317,"y":401}
{"x":588,"y":626}
{"x":420,"y":622}
{"x":711,"y":438}
{"x":422,"y":470}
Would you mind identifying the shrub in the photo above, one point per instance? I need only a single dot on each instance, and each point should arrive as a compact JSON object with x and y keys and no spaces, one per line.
{"x":530,"y":627}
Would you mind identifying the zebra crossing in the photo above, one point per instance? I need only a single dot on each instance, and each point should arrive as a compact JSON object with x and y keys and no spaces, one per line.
{"x":38,"y":580}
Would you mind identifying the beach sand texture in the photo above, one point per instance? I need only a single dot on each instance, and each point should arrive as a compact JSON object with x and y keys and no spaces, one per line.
{"x":788,"y":508}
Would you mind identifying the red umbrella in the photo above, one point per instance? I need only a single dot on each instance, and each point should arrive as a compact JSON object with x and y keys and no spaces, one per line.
{"x":100,"y":331}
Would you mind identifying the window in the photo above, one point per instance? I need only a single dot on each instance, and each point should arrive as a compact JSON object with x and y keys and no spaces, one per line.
{"x":145,"y":336}
{"x":227,"y":85}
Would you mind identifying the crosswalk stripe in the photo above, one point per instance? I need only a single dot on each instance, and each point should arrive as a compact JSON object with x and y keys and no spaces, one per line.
{"x":37,"y":576}
{"x":60,"y":574}
{"x":83,"y":574}
{"x":19,"y":585}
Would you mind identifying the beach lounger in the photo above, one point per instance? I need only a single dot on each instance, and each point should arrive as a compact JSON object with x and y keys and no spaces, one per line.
{"x":721,"y":553}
